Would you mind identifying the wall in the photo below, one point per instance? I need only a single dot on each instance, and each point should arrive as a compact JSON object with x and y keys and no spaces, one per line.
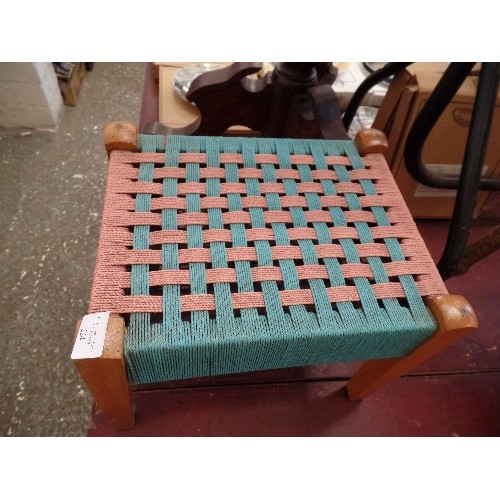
{"x":29,"y":95}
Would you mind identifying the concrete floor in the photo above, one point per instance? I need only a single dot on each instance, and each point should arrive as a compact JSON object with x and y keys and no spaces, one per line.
{"x":52,"y":187}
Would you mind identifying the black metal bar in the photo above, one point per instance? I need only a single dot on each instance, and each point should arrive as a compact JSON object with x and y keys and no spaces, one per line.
{"x":470,"y":177}
{"x":446,"y":88}
{"x":375,"y":78}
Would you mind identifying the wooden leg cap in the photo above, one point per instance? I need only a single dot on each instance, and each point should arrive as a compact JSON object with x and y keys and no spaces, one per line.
{"x":370,"y":141}
{"x":120,"y":135}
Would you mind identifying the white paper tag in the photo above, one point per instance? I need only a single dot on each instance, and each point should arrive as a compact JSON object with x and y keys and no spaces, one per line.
{"x":89,"y":341}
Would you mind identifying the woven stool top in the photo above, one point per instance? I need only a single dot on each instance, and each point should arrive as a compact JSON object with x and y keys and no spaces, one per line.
{"x":241,"y":254}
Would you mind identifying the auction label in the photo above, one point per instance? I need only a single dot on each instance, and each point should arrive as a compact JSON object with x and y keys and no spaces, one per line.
{"x":89,"y":341}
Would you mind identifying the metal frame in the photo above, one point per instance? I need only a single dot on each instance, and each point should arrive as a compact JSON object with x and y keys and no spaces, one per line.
{"x":370,"y":81}
{"x":470,"y":181}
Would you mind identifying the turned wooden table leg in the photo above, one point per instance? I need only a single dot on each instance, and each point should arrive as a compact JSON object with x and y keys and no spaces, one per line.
{"x":455,"y":318}
{"x":106,"y":377}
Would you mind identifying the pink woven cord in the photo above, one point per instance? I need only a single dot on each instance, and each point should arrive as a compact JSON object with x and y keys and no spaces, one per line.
{"x":128,"y":172}
{"x":128,"y":186}
{"x":255,"y":202}
{"x":245,"y":300}
{"x":244,"y":253}
{"x":118,"y":156}
{"x":189,"y":218}
{"x":272,"y":187}
{"x":127,"y":157}
{"x":233,"y":187}
{"x":277,"y":252}
{"x":206,"y":203}
{"x":111,"y":283}
{"x":175,"y":203}
{"x":212,"y":235}
{"x":293,"y":201}
{"x":190,"y":255}
{"x":121,"y":218}
{"x":191,"y":188}
{"x":236,"y":218}
{"x":168,"y":236}
{"x":312,"y":216}
{"x":352,"y":216}
{"x":176,"y":173}
{"x":267,"y":234}
{"x":128,"y":258}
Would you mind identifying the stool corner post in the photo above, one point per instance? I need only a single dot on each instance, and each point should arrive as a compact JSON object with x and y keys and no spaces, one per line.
{"x":455,"y":318}
{"x":371,"y":141}
{"x":106,"y":377}
{"x":453,"y":313}
{"x":120,"y":135}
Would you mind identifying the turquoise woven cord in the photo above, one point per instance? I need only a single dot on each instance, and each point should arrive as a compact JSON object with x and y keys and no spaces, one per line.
{"x":248,"y":232}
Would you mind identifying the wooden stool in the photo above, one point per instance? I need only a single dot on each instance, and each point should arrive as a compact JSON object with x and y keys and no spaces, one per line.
{"x":225,"y":255}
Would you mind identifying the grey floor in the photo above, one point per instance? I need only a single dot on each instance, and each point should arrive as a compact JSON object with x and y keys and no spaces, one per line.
{"x":52,"y":187}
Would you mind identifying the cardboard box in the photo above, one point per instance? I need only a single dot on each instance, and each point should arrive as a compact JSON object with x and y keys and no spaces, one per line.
{"x":445,"y":145}
{"x":174,"y":111}
{"x":395,"y":106}
{"x":158,"y":65}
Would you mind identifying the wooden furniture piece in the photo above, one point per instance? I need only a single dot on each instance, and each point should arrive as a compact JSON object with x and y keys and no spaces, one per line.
{"x":294,"y":100}
{"x":226,"y":255}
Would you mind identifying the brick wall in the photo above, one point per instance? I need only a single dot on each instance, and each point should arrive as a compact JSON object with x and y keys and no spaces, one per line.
{"x":29,"y":95}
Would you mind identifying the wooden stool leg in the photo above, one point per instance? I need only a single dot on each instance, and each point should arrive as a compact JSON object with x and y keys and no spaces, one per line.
{"x":106,"y":377}
{"x":455,"y":318}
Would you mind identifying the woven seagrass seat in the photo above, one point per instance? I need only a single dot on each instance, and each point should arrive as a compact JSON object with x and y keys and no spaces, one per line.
{"x":224,"y":255}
